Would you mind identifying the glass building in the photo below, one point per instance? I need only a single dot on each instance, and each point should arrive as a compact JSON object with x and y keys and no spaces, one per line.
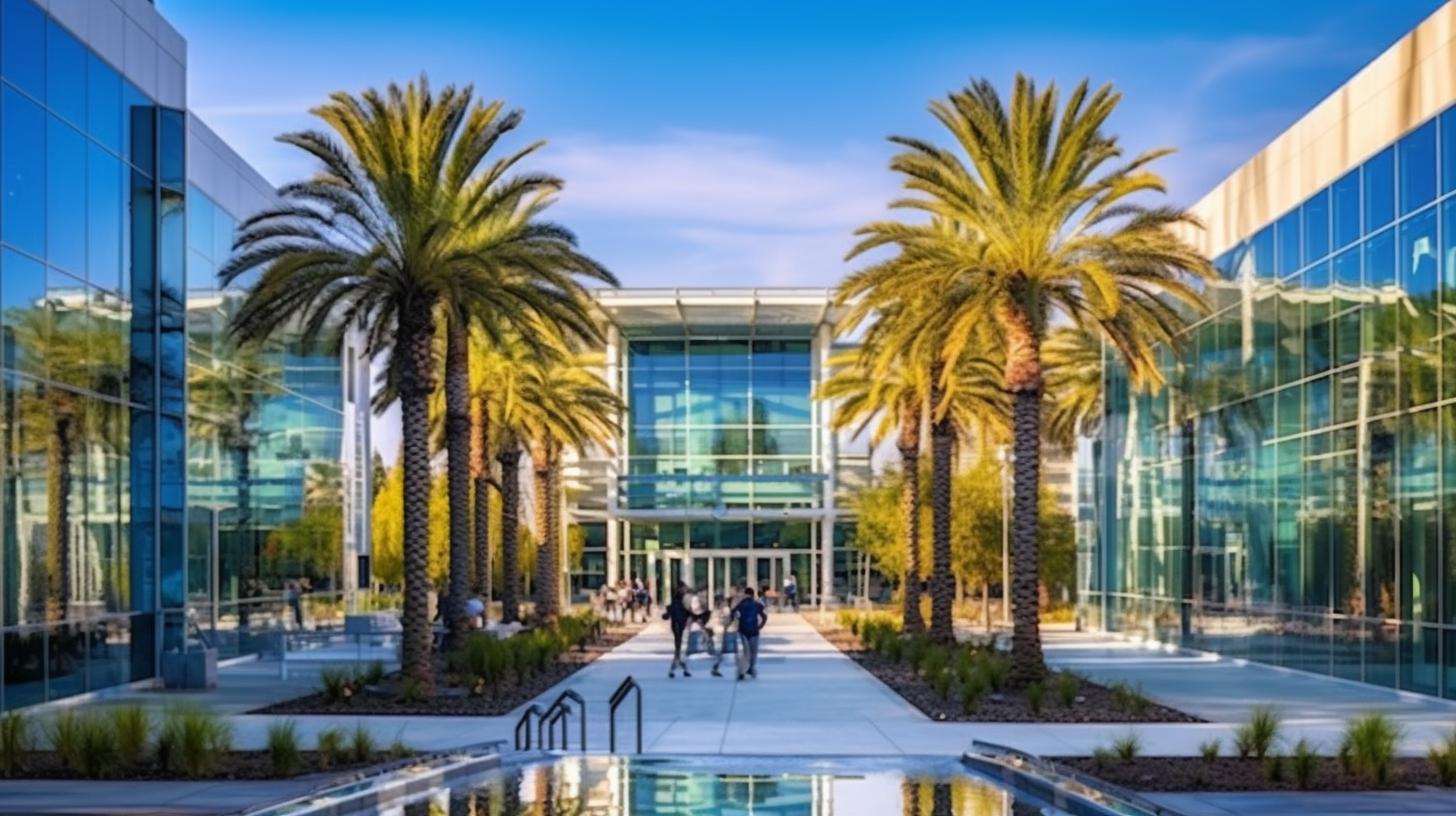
{"x":1287,"y":500}
{"x":725,"y":470}
{"x":154,"y":479}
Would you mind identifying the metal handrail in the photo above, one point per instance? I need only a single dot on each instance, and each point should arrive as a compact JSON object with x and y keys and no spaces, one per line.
{"x":628,"y":686}
{"x":557,"y":712}
{"x":525,"y":723}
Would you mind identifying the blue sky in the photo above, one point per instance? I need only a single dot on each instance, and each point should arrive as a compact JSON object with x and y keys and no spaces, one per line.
{"x":713,"y":144}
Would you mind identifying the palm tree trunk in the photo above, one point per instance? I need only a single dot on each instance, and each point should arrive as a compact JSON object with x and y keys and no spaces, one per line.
{"x":1024,"y":381}
{"x":942,"y":582}
{"x":58,"y":507}
{"x":417,"y":382}
{"x":457,"y":452}
{"x":510,"y":467}
{"x":480,"y":452}
{"x":909,"y":445}
{"x":548,"y":534}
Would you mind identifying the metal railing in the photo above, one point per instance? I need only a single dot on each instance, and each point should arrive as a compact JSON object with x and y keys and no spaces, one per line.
{"x":558,"y":712}
{"x":523,"y":727}
{"x":628,"y":686}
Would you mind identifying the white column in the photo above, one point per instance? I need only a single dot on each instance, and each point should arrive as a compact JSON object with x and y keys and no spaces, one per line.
{"x":828,"y":462}
{"x":614,"y":457}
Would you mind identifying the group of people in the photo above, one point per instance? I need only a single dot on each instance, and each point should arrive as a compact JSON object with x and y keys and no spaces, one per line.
{"x":733,"y":624}
{"x":622,"y":602}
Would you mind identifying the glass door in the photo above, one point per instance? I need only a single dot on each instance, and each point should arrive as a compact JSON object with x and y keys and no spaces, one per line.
{"x":728,"y":572}
{"x":769,"y":574}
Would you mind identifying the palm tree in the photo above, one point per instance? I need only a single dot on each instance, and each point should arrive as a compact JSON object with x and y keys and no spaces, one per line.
{"x":380,"y":237}
{"x":1040,"y":224}
{"x":958,"y":400}
{"x":527,"y":272}
{"x":893,"y":402}
{"x":563,"y":404}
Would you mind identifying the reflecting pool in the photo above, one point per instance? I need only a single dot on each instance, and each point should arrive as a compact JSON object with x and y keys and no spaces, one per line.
{"x":719,"y":786}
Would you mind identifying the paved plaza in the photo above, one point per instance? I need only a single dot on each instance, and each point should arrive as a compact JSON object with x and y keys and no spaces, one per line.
{"x":809,"y":699}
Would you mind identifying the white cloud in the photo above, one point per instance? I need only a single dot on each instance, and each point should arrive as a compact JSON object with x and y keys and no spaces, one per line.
{"x":716,"y":178}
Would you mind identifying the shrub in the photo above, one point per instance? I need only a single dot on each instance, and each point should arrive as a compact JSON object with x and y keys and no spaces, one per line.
{"x":373,"y":675}
{"x":1209,"y":749}
{"x":362,"y":745}
{"x":337,"y":684}
{"x":1034,"y":693}
{"x":1274,"y":767}
{"x":1128,"y":746}
{"x":1368,"y":747}
{"x":1067,"y":685}
{"x":283,"y":747}
{"x":85,"y":741}
{"x":193,"y":740}
{"x":330,"y":746}
{"x":15,"y":740}
{"x":1305,"y":761}
{"x":1443,"y":760}
{"x":972,"y":689}
{"x":133,"y":727}
{"x":1102,"y":757}
{"x":894,"y":648}
{"x":1257,"y":736}
{"x":412,"y":690}
{"x":1130,"y":698}
{"x":399,"y":749}
{"x":997,"y":669}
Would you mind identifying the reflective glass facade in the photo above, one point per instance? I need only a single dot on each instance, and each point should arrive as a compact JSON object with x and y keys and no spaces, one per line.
{"x":149,"y":470}
{"x":1287,"y":499}
{"x":91,"y":367}
{"x":721,"y":471}
{"x":264,"y":479}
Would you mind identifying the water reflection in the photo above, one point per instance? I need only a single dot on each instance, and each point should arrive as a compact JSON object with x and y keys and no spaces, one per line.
{"x":606,"y":786}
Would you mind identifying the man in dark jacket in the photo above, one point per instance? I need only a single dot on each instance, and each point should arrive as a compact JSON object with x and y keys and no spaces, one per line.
{"x":751,"y":617}
{"x":678,"y":617}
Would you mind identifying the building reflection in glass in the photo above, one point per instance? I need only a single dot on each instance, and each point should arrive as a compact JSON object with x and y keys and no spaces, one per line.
{"x":609,"y":786}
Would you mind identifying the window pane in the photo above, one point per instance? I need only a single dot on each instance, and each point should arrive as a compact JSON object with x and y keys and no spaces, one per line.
{"x":1289,"y":240}
{"x":25,"y":319}
{"x":1290,"y":358}
{"x":23,"y":162}
{"x":1262,"y":254}
{"x":1317,"y":226}
{"x":65,"y":74}
{"x":139,"y":129}
{"x":65,"y":197}
{"x":69,"y":348}
{"x":1418,"y":168}
{"x":24,"y":38}
{"x":1380,"y":260}
{"x":1317,"y":310}
{"x":1417,"y":495}
{"x":1379,"y":175}
{"x":782,"y":442}
{"x":1346,"y":205}
{"x":1448,"y":297}
{"x":1448,"y":158}
{"x":1420,"y":312}
{"x":172,"y":140}
{"x":103,"y":103}
{"x":105,"y":203}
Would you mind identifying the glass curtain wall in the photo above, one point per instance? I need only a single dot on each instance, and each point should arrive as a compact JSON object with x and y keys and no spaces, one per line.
{"x":716,"y":425}
{"x":265,"y":485}
{"x":91,"y":275}
{"x":1286,"y":500}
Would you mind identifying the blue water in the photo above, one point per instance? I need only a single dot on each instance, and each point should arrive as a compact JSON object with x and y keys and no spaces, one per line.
{"x":728,"y":786}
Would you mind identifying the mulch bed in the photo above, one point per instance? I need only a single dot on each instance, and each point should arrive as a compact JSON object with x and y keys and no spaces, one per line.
{"x":453,"y":700}
{"x":1231,"y":774}
{"x":1095,"y":703}
{"x":237,"y":765}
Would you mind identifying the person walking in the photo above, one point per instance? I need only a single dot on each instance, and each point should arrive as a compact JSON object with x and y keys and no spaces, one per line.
{"x":750,"y":616}
{"x":720,"y":640}
{"x":678,"y":617}
{"x":791,"y":591}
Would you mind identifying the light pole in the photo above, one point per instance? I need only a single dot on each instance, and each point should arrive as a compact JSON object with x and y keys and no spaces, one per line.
{"x":1006,"y":457}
